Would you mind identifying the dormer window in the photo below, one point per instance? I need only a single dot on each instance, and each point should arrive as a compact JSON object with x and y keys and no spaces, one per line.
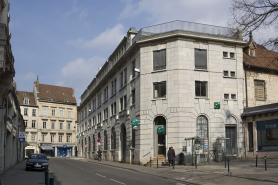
{"x":252,"y":52}
{"x":26,"y":101}
{"x":64,"y":94}
{"x":48,"y":91}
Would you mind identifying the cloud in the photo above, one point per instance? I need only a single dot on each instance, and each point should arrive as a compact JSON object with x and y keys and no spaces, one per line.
{"x":82,"y":12}
{"x":106,"y":40}
{"x":79,"y":73}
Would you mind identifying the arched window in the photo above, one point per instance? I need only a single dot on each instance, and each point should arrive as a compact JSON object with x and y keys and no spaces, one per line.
{"x":94,"y":143}
{"x":113,"y":138}
{"x":202,"y":127}
{"x":105,"y":140}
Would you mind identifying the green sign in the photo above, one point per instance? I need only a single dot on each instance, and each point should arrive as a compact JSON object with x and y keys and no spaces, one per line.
{"x":216,"y":105}
{"x":160,"y":129}
{"x":77,"y":137}
{"x":134,"y":122}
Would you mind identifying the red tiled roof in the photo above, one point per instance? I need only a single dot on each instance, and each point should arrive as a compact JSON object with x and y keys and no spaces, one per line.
{"x":23,"y":94}
{"x":264,"y":58}
{"x":56,"y":93}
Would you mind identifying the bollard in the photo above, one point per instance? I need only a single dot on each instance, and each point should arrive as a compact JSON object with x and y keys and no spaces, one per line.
{"x":51,"y":181}
{"x":265,"y":163}
{"x":225,"y":160}
{"x":46,"y":176}
{"x":228,"y":164}
{"x":150,"y":162}
{"x":157,"y":163}
{"x":256,"y":160}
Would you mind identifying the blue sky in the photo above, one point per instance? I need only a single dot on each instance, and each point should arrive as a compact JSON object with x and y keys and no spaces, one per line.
{"x":64,"y":42}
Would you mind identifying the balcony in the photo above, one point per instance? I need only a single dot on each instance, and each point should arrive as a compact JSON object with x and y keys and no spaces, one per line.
{"x":187,"y":27}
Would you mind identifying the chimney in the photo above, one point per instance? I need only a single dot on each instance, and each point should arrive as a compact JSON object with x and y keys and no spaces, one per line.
{"x":37,"y":84}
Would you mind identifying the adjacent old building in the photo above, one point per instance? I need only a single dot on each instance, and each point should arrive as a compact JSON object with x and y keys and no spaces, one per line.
{"x":178,"y":80}
{"x":11,"y":122}
{"x":261,"y":106}
{"x":50,"y":117}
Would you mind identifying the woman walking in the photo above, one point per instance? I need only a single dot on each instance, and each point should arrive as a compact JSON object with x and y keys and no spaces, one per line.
{"x":171,"y":156}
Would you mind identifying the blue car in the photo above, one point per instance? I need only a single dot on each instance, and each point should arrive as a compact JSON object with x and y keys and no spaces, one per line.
{"x":37,"y":162}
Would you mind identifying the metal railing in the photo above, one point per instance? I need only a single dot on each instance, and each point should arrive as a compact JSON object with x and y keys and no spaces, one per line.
{"x":188,"y":27}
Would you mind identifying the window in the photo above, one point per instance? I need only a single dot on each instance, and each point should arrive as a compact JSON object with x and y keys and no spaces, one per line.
{"x":159,"y":59}
{"x":52,"y":137}
{"x":105,"y":113}
{"x":34,"y":112}
{"x":53,"y":112}
{"x":105,"y":94}
{"x":226,"y":73}
{"x":159,"y":90}
{"x":44,"y":111}
{"x":94,"y":120}
{"x":125,"y":76}
{"x":25,"y":123}
{"x":69,"y":113}
{"x":99,"y":100}
{"x":225,"y":54}
{"x":43,"y":137}
{"x":232,"y":55}
{"x":133,"y":96}
{"x":85,"y":111}
{"x":33,"y":137}
{"x":113,"y":87}
{"x":33,"y":123}
{"x":94,"y":104}
{"x":122,"y":79}
{"x":121,"y":104}
{"x":226,"y":96}
{"x":44,"y":124}
{"x":61,"y":126}
{"x":200,"y":89}
{"x":99,"y":118}
{"x":52,"y":125}
{"x":105,"y":140}
{"x":61,"y":113}
{"x":60,"y":138}
{"x":200,"y":59}
{"x":233,"y":96}
{"x":113,"y":139}
{"x":202,"y":127}
{"x":233,"y":74}
{"x":133,"y":139}
{"x":252,"y":52}
{"x":113,"y":109}
{"x":26,"y":101}
{"x":259,"y":89}
{"x":25,"y":111}
{"x":133,"y":69}
{"x":68,"y":126}
{"x":68,"y":138}
{"x":250,"y":136}
{"x":90,"y":123}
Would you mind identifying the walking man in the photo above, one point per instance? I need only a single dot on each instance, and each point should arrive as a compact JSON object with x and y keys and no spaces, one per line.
{"x":99,"y":153}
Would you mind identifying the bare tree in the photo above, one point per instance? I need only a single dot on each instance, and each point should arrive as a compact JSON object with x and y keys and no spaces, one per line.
{"x":251,"y":15}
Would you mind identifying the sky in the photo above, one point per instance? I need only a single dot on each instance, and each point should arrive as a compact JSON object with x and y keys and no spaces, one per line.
{"x":64,"y":42}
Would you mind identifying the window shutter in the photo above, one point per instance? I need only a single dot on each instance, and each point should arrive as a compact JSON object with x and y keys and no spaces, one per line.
{"x":259,"y":89}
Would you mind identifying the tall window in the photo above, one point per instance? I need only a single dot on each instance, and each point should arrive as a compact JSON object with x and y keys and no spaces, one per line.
{"x":44,"y":111}
{"x":125,"y":76}
{"x":53,"y":112}
{"x":61,"y":126}
{"x":43,"y":137}
{"x":94,"y":143}
{"x":60,"y":138}
{"x":26,"y":101}
{"x":133,"y":96}
{"x":61,"y":113}
{"x":25,"y":123}
{"x":159,"y":90}
{"x":132,"y":69}
{"x":122,"y":79}
{"x":105,"y":94}
{"x":105,"y":140}
{"x":34,"y":112}
{"x":94,"y":104}
{"x":121,"y":104}
{"x":33,"y":123}
{"x":250,"y":136}
{"x":52,"y":137}
{"x":259,"y":89}
{"x":113,"y":139}
{"x":133,"y":138}
{"x":159,"y":60}
{"x":68,"y":138}
{"x":99,"y":99}
{"x":113,"y":108}
{"x":94,"y":120}
{"x":69,"y":113}
{"x":99,"y":117}
{"x":105,"y":113}
{"x":52,"y":125}
{"x":113,"y":87}
{"x":200,"y":59}
{"x":25,"y":111}
{"x":44,"y":124}
{"x":68,"y":126}
{"x":202,"y":127}
{"x":200,"y":89}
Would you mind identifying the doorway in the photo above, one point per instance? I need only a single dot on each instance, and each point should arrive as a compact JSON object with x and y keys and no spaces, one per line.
{"x":231,"y":143}
{"x":123,"y":142}
{"x":159,"y":137}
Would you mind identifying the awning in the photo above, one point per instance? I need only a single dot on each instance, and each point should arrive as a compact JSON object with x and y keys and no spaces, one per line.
{"x":46,"y":148}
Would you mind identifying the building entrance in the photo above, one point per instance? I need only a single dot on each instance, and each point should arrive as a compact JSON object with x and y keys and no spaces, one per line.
{"x":159,"y":136}
{"x":123,"y":142}
{"x":231,"y":144}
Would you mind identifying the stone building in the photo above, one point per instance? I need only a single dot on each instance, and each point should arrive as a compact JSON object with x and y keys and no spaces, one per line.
{"x":11,"y":122}
{"x":50,"y":117}
{"x":179,"y":80}
{"x":261,"y":106}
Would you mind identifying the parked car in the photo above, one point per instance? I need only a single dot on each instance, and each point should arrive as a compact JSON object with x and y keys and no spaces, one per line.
{"x":37,"y":162}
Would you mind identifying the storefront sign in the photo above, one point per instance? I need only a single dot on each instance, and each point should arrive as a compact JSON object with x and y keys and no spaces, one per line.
{"x":21,"y":139}
{"x":64,"y":146}
{"x":265,"y":125}
{"x":160,"y":130}
{"x":134,"y":122}
{"x":216,"y":105}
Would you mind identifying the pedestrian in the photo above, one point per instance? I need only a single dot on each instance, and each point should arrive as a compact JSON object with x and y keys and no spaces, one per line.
{"x":170,"y":156}
{"x":99,"y":153}
{"x":174,"y":156}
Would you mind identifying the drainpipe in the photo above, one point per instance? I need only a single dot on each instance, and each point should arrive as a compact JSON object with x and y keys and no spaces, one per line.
{"x":246,"y":94}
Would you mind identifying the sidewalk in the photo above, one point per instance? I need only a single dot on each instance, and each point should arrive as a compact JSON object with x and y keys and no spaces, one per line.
{"x":241,"y":172}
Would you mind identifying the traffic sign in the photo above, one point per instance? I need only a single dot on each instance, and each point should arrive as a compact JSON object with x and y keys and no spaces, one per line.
{"x":98,"y":140}
{"x":21,"y":139}
{"x":21,"y":134}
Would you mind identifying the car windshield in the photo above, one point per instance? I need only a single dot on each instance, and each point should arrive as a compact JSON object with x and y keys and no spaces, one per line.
{"x":38,"y":156}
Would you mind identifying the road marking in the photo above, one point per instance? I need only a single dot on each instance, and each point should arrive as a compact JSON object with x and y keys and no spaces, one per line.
{"x":117,"y":181}
{"x":100,"y":175}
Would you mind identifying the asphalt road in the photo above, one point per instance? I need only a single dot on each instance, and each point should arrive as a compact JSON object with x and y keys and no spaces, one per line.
{"x":74,"y":171}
